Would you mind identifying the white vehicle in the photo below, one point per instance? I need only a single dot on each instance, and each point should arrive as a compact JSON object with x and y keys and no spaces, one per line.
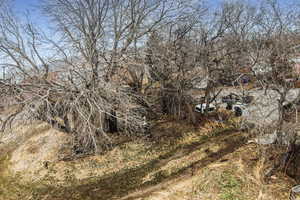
{"x":202,"y":107}
{"x":260,"y":69}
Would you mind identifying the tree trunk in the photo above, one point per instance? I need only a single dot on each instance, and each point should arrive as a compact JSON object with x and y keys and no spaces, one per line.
{"x":191,"y":112}
{"x":112,"y":122}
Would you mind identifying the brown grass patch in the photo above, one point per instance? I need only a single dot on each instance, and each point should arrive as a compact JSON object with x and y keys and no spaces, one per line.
{"x":179,"y":162}
{"x":32,"y":149}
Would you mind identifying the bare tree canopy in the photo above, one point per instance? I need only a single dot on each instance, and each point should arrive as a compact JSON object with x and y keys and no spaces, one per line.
{"x":72,"y":86}
{"x":109,"y":63}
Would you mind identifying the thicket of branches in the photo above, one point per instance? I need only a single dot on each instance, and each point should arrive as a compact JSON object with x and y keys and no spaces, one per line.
{"x":109,"y":63}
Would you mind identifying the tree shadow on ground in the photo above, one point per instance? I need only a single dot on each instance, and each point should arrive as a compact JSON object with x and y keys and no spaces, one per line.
{"x":119,"y":184}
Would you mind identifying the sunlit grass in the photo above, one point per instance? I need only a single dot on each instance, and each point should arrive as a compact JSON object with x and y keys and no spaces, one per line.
{"x":175,"y":149}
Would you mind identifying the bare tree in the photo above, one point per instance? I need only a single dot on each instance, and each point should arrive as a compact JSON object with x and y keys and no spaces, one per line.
{"x":73,"y":86}
{"x":218,"y":46}
{"x":102,"y":45}
{"x":271,"y":52}
{"x":70,"y":96}
{"x":103,"y":31}
{"x":206,"y":46}
{"x":172,"y":64}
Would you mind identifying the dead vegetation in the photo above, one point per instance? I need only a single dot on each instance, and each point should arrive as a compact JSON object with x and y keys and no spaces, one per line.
{"x":103,"y":108}
{"x":185,"y":163}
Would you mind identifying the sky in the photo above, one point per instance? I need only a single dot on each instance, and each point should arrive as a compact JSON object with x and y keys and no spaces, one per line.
{"x":23,"y":6}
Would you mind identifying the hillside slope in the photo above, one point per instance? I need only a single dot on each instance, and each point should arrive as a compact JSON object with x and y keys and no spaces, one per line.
{"x":178,"y":162}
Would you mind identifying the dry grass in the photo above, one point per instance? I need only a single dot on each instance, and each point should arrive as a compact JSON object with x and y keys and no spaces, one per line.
{"x":233,"y":177}
{"x":179,"y":162}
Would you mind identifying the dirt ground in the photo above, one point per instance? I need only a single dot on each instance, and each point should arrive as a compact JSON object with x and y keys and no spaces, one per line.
{"x":213,"y":161}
